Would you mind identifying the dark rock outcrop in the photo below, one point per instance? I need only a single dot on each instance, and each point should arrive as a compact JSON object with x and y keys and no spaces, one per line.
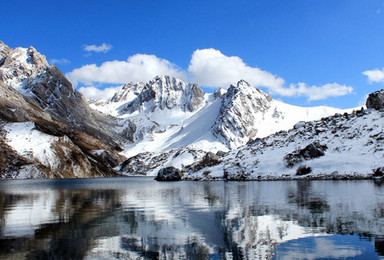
{"x":55,"y":94}
{"x":169,"y":174}
{"x":142,"y":163}
{"x":210,"y":159}
{"x":221,"y":153}
{"x":376,"y":100}
{"x":378,"y":172}
{"x":311,"y":151}
{"x":303,"y":170}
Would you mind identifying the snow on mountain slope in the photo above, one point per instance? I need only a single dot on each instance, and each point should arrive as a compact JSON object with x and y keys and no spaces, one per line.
{"x":247,"y":112}
{"x":45,"y":155}
{"x":333,"y":147}
{"x":167,"y":113}
{"x":45,"y":86}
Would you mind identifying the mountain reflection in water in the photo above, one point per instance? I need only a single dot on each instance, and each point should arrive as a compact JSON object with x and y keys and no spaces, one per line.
{"x":138,"y":218}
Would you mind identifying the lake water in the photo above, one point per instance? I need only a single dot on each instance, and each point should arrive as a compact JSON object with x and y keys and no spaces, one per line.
{"x":138,"y":218}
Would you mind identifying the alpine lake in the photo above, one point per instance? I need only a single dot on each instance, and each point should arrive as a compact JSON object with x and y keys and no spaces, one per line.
{"x":139,"y":218}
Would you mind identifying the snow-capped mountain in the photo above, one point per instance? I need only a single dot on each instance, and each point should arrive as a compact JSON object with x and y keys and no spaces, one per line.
{"x":45,"y":86}
{"x":165,"y":122}
{"x":46,"y":127}
{"x":167,"y":114}
{"x":348,"y":145}
{"x":246,"y":113}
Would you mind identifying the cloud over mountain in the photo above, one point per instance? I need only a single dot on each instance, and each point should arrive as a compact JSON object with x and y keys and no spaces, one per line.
{"x":207,"y":67}
{"x":139,"y":67}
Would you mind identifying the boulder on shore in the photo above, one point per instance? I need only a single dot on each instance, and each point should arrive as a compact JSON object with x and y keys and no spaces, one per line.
{"x":169,"y":174}
{"x":311,"y":151}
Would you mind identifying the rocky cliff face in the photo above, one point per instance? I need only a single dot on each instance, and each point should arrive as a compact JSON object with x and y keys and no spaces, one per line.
{"x":241,"y":107}
{"x":153,"y":107}
{"x":27,"y":71}
{"x":38,"y":102}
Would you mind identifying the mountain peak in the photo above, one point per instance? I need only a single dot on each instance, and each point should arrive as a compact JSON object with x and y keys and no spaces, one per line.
{"x":243,"y":88}
{"x":163,"y":92}
{"x":19,"y":64}
{"x":243,"y":83}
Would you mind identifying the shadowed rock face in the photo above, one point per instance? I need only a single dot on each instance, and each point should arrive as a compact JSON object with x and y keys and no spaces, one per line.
{"x":46,"y":87}
{"x":376,"y":100}
{"x":55,"y":94}
{"x":74,"y":150}
{"x":82,"y":147}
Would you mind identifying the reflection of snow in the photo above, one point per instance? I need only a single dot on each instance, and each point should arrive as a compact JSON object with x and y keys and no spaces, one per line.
{"x":137,"y":216}
{"x":324,"y":248}
{"x":28,"y":213}
{"x":257,"y":236}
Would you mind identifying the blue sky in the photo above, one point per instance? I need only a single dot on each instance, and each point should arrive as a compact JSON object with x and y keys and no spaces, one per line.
{"x":306,"y":52}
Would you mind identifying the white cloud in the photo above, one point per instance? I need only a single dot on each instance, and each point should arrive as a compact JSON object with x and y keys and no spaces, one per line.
{"x":313,"y":92}
{"x":209,"y":67}
{"x":59,"y":61}
{"x":374,"y":75}
{"x":102,"y":48}
{"x":95,"y":93}
{"x":139,"y":67}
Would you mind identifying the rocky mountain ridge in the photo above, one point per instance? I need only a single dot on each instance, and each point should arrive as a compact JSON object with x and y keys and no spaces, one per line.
{"x":342,"y":146}
{"x":46,"y":125}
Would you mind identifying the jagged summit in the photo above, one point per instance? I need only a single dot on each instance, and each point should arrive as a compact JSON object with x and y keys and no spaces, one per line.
{"x":19,"y":64}
{"x":242,"y":109}
{"x":161,"y":93}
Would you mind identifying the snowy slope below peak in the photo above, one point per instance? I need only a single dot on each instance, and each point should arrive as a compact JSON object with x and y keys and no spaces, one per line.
{"x":353,"y":144}
{"x":155,"y":118}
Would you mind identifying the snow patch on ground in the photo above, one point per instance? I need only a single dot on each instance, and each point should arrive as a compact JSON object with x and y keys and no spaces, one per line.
{"x":355,"y":147}
{"x":29,"y":142}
